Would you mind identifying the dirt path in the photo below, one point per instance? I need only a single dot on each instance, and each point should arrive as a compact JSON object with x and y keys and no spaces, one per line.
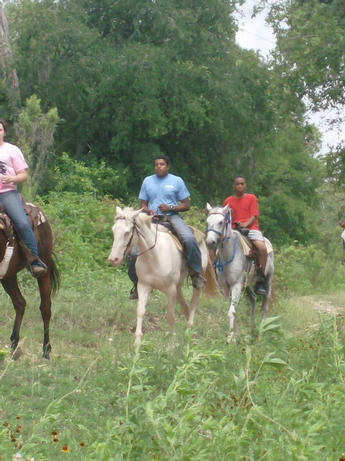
{"x":327,"y":304}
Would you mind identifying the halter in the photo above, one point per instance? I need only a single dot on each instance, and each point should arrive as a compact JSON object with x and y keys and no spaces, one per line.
{"x":227,"y":221}
{"x":136,"y":229}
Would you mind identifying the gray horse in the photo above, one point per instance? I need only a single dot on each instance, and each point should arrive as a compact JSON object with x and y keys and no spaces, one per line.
{"x":235,"y":271}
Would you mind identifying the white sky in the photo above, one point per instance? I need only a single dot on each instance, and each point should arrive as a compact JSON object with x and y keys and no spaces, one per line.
{"x":255,"y":34}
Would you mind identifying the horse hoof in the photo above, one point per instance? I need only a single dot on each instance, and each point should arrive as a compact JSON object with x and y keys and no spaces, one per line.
{"x":230,"y":339}
{"x":137,"y":344}
{"x":17,"y":353}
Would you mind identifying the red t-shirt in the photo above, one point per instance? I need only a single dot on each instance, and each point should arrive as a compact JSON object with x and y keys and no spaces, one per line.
{"x":243,"y":208}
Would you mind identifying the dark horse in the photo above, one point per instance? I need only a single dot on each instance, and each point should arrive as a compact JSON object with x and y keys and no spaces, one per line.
{"x":48,"y":283}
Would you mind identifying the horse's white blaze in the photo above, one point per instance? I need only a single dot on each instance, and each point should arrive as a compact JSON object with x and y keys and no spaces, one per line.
{"x":235,"y":265}
{"x":160,"y":264}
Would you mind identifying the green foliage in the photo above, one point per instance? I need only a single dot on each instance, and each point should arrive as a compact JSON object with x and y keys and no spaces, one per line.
{"x":35,"y":136}
{"x":82,"y":229}
{"x":98,"y":178}
{"x":304,"y":270}
{"x":165,"y":78}
{"x":310,"y":44}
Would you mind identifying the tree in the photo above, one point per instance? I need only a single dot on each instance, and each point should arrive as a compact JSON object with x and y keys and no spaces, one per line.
{"x":35,"y":133}
{"x":310,"y":48}
{"x":9,"y":85}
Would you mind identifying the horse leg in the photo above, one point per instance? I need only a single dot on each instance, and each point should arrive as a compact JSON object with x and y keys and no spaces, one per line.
{"x":235,"y":298}
{"x":182,"y":302}
{"x":266,"y":297}
{"x":193,"y":306}
{"x":45,"y":308}
{"x":171,"y":295}
{"x":143,"y":294}
{"x":252,"y":299}
{"x":11,"y":287}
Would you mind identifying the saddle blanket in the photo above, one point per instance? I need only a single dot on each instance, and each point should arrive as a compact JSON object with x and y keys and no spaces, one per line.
{"x":247,"y":249}
{"x":199,"y":236}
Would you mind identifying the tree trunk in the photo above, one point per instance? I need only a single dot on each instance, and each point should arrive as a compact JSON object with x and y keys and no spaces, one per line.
{"x":8,"y":71}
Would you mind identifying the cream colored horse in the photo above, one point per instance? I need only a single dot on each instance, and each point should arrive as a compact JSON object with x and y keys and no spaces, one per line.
{"x":160,"y":264}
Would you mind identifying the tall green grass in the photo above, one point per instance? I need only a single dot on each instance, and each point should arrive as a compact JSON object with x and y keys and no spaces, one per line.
{"x":277,"y":393}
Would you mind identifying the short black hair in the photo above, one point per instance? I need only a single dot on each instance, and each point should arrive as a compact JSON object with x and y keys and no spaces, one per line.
{"x":239,"y":176}
{"x":163,"y":157}
{"x":3,"y":125}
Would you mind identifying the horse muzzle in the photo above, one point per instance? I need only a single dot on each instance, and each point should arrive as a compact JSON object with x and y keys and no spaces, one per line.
{"x":115,"y":260}
{"x":211,"y":243}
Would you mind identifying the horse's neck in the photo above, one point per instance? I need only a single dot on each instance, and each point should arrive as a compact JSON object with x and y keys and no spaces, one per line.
{"x":229,"y":241}
{"x":145,"y":238}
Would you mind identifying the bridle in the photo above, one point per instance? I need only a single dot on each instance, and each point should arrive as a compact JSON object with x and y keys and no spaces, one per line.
{"x":136,"y":229}
{"x":226,"y":223}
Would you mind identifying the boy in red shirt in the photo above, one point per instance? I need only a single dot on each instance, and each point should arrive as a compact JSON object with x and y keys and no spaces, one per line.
{"x":245,"y":214}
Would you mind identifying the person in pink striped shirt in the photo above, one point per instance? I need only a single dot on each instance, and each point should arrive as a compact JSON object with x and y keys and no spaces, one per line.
{"x":13,"y":171}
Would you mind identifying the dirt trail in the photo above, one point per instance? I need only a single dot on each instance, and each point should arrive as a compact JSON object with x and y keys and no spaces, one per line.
{"x":325,"y":305}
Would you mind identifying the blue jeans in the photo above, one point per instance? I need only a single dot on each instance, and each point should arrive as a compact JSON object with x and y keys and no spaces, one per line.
{"x":14,"y":208}
{"x":188,"y":241}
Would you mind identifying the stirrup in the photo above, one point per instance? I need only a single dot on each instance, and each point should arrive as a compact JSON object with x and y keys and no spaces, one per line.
{"x":38,"y":270}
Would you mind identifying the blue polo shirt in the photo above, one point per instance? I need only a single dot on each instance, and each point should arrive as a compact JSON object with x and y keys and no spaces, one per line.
{"x":169,"y":189}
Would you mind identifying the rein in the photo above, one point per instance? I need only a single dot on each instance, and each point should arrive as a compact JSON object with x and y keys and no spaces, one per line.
{"x":219,"y":265}
{"x":136,"y":228}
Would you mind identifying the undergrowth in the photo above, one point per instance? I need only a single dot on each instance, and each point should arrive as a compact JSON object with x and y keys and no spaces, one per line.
{"x":277,"y":393}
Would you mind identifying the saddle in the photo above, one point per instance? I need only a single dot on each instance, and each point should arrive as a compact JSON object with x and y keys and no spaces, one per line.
{"x":249,"y":248}
{"x":164,"y":225}
{"x":35,"y":217}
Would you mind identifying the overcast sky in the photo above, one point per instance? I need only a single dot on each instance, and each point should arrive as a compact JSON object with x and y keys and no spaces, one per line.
{"x":256,"y":35}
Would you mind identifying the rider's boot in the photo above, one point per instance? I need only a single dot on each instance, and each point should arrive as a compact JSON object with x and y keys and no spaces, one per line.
{"x":38,"y":268}
{"x":261,"y":283}
{"x":198,"y":281}
{"x":134,"y":292}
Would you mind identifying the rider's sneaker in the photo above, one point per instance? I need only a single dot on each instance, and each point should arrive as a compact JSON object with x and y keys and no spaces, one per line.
{"x":133,"y":293}
{"x":260,"y":288}
{"x":38,"y":268}
{"x":198,"y":281}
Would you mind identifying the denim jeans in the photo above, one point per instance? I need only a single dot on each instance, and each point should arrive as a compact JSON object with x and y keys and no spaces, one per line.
{"x":188,"y":241}
{"x":14,"y":208}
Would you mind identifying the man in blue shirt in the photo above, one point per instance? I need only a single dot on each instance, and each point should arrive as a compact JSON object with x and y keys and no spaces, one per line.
{"x":166,"y":194}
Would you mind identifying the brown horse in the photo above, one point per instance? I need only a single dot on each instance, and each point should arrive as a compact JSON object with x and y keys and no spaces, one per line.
{"x":48,"y":283}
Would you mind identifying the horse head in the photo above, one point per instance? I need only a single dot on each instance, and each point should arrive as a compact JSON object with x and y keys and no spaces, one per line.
{"x":218,"y":224}
{"x":123,"y":231}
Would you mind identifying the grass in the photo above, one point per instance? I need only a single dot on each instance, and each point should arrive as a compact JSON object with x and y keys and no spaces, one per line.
{"x":275,"y":395}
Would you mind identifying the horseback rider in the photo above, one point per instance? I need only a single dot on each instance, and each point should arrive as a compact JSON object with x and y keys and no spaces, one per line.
{"x":245,"y":214}
{"x":164,"y":195}
{"x":13,"y":171}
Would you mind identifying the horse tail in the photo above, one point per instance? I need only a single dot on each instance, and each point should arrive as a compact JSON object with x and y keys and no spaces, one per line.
{"x":54,"y":275}
{"x":211,"y":285}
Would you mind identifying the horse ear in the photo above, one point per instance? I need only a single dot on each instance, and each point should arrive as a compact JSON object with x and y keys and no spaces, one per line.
{"x":226,"y":209}
{"x":118,"y":211}
{"x":208,"y":208}
{"x":138,"y":212}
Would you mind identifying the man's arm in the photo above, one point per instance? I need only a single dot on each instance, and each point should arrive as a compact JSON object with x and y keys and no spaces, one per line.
{"x":144,"y":207}
{"x":184,"y":205}
{"x":248,"y":223}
